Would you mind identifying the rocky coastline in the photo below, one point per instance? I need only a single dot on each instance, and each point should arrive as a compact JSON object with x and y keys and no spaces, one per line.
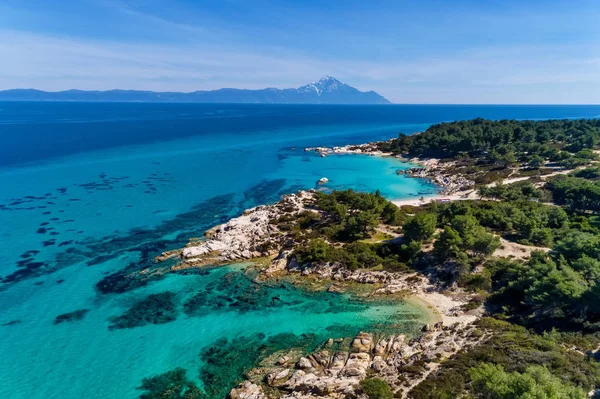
{"x":335,"y":371}
{"x":371,"y":148}
{"x":249,"y":236}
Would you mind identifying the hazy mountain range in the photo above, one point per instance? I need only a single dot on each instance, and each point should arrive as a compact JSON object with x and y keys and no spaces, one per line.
{"x":328,"y":90}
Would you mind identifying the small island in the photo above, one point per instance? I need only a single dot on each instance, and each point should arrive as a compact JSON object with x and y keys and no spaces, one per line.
{"x":507,"y":258}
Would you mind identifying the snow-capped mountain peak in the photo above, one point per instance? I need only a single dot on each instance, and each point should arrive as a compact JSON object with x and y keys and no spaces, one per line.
{"x":325,"y":84}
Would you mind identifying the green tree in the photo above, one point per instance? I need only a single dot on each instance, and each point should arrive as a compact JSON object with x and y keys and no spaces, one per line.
{"x":420,"y":227}
{"x":376,"y":388}
{"x":314,"y":251}
{"x":485,"y":244}
{"x":535,"y":161}
{"x":448,"y":244}
{"x":390,"y":214}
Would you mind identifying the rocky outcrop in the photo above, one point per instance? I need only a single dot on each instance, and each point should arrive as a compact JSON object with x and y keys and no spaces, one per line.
{"x":336,"y":372}
{"x":249,"y":236}
{"x":367,"y":148}
{"x":247,"y":390}
{"x":439,"y":173}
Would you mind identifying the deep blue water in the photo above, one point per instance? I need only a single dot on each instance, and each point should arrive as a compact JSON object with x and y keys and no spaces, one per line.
{"x":35,"y":131}
{"x":91,"y":189}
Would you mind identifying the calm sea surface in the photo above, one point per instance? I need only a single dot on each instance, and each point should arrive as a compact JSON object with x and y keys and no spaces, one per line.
{"x":92,"y":191}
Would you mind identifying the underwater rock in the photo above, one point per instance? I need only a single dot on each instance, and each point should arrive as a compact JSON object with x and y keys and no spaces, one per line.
{"x":154,"y":309}
{"x":71,"y":316}
{"x":173,"y":384}
{"x":127,"y":279}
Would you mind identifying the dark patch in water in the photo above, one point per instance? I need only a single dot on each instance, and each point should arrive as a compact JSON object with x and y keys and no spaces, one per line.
{"x":30,"y":253}
{"x":148,"y":242}
{"x":41,"y":230}
{"x":171,"y":385}
{"x":11,"y":323}
{"x":154,"y":309}
{"x":71,"y":316}
{"x":125,"y":280}
{"x":60,"y":281}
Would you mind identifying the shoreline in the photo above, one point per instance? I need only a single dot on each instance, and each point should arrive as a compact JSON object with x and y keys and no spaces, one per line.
{"x":433,"y":314}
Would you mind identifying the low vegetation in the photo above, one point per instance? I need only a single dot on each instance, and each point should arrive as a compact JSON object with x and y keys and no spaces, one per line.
{"x":376,"y":388}
{"x":517,"y":363}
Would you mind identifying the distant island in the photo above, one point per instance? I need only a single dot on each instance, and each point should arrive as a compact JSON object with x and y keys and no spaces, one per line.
{"x":328,"y":90}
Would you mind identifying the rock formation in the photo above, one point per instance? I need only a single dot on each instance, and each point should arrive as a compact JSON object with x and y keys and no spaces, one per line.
{"x":335,"y":371}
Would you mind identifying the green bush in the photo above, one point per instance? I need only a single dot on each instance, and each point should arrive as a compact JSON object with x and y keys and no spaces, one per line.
{"x":376,"y":388}
{"x":491,"y":381}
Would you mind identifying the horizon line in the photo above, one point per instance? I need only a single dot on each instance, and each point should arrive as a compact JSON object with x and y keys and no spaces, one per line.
{"x":285,"y":104}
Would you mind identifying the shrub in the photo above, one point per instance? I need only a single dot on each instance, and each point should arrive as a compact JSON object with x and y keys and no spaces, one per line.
{"x":376,"y":388}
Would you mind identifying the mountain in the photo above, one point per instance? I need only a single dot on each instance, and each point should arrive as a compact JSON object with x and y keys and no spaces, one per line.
{"x":326,"y":91}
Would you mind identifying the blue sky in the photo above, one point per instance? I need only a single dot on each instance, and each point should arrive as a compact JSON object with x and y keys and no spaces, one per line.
{"x":428,"y":51}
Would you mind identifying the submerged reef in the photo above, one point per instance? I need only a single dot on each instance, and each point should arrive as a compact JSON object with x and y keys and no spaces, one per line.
{"x":238,"y":291}
{"x":173,"y":384}
{"x":71,"y":316}
{"x":154,"y":309}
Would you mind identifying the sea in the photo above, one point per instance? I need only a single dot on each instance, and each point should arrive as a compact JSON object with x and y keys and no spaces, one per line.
{"x":90,"y":193}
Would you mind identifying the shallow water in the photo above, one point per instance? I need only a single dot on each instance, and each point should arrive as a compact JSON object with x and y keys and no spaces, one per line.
{"x":109,"y":186}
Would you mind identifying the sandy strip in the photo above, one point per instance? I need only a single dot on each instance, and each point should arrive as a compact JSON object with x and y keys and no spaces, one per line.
{"x":460,"y":196}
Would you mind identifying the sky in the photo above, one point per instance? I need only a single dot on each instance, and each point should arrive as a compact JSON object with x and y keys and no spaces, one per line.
{"x":410,"y":51}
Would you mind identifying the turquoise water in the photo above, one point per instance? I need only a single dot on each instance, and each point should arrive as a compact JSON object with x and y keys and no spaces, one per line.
{"x":91,"y":190}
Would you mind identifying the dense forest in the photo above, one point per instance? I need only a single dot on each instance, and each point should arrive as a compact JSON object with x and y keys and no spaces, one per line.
{"x":508,"y":141}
